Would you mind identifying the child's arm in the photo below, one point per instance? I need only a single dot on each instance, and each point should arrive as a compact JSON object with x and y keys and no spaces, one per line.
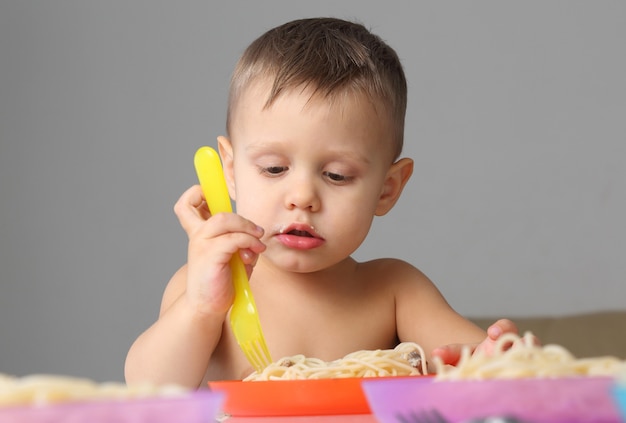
{"x":177,"y":348}
{"x":424,"y":316}
{"x":451,"y":353}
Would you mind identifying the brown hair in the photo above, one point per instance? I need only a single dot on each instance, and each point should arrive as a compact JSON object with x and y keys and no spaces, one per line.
{"x":330,"y":55}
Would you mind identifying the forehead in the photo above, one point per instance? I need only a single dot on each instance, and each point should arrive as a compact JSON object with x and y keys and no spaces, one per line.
{"x":303,"y":113}
{"x":257,"y":97}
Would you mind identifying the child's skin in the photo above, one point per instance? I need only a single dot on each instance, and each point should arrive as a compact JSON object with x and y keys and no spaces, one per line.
{"x":308,"y":176}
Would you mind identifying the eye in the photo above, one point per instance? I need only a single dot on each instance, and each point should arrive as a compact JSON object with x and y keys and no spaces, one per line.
{"x":273,"y":170}
{"x":336,"y":177}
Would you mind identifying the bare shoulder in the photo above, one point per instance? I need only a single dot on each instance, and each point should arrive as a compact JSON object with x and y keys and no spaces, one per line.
{"x":412,"y":289}
{"x":395,"y":273}
{"x":422,"y":314}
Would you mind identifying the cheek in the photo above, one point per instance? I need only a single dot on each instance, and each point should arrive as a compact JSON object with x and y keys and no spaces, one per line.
{"x":256,"y":204}
{"x":251,"y":205}
{"x":359,"y":213}
{"x":366,"y":201}
{"x":244,"y":189}
{"x":349,"y":231}
{"x":353,"y":215}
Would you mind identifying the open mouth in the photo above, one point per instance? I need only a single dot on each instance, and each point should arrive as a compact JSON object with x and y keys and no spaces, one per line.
{"x":300,"y":236}
{"x":296,"y":232}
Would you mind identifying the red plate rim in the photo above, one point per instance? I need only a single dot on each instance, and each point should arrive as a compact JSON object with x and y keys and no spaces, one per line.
{"x":296,"y":397}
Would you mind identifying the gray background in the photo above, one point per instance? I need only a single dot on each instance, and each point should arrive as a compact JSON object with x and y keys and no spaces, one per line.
{"x":516,"y":122}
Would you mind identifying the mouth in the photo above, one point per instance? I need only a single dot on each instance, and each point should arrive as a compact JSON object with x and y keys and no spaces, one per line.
{"x":300,"y":236}
{"x":299,"y":230}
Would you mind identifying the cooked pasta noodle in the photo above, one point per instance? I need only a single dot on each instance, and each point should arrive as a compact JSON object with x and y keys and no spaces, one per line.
{"x":404,"y":360}
{"x":48,"y":389}
{"x":519,"y":357}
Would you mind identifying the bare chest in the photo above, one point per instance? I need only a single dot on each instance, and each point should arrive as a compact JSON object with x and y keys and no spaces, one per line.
{"x":315,"y":327}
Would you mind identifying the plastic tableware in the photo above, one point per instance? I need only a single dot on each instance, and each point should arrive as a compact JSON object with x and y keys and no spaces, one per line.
{"x":197,"y":407}
{"x":244,"y":318}
{"x":309,"y":397}
{"x":538,"y":400}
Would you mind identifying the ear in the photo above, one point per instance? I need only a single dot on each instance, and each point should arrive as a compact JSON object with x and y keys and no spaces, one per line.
{"x":225,"y":148}
{"x":397,"y":177}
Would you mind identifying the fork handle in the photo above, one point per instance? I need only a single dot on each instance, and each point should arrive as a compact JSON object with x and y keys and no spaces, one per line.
{"x":211,"y":176}
{"x":240,"y":277}
{"x":212,"y":181}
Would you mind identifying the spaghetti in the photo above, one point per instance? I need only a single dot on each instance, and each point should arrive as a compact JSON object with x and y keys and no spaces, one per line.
{"x":51,"y":389}
{"x":404,"y":360}
{"x":519,"y":357}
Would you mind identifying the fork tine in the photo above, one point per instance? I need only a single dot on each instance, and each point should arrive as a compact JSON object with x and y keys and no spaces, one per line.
{"x":401,"y":418}
{"x":258,"y":358}
{"x":251,"y":357}
{"x":257,"y":353}
{"x":436,"y":416}
{"x":265,"y":352}
{"x":422,"y":416}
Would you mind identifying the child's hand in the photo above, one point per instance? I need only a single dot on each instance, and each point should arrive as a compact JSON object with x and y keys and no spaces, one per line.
{"x":212,"y":242}
{"x":450,"y":354}
{"x":494,"y":332}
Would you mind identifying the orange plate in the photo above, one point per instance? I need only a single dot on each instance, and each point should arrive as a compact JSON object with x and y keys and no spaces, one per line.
{"x":294,"y":397}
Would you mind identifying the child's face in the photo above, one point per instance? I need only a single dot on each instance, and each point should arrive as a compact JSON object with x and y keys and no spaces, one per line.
{"x":309,"y":172}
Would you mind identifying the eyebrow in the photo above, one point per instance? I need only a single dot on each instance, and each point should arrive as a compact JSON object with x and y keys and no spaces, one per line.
{"x":270,"y":147}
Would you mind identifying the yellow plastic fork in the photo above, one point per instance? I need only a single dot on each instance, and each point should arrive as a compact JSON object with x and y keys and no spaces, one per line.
{"x":244,"y":318}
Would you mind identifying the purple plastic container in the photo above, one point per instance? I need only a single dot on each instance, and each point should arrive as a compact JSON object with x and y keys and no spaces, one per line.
{"x":197,"y":407}
{"x":548,"y":400}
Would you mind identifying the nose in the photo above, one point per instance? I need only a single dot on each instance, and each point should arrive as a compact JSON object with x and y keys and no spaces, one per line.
{"x":303,"y":194}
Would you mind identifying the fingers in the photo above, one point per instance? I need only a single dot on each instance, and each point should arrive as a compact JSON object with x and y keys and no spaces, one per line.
{"x":193,"y":213}
{"x":213,"y":240}
{"x":494,"y":333}
{"x":501,"y":327}
{"x":191,"y":209}
{"x":248,"y":257}
{"x":230,"y":226}
{"x":451,"y":354}
{"x":447,"y":354}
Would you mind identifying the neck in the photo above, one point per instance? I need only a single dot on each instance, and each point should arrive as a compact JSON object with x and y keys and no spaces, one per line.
{"x":335,"y":277}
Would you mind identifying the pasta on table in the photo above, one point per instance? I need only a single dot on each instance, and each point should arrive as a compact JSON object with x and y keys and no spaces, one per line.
{"x":404,"y":360}
{"x":520,"y":357}
{"x":51,"y":389}
{"x":514,"y":356}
